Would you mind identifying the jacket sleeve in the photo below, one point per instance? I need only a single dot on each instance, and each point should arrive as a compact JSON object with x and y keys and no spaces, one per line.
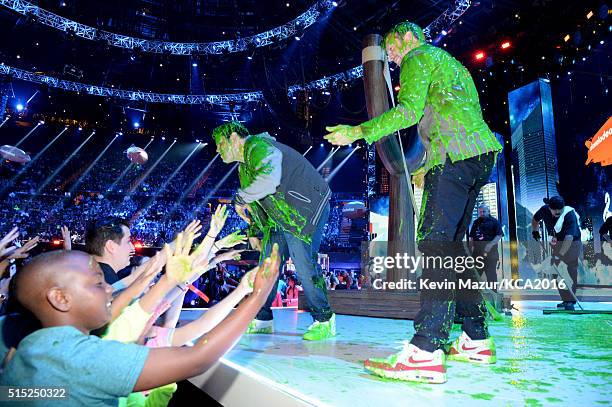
{"x":415,"y":78}
{"x":265,"y":162}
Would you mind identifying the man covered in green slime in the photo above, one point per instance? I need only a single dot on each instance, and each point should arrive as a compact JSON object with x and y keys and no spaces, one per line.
{"x":285,"y":198}
{"x":438,"y":93}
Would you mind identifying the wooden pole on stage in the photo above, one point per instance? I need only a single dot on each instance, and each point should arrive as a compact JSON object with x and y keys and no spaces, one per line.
{"x":401,"y":216}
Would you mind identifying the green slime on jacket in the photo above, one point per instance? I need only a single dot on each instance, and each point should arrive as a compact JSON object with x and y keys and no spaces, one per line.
{"x":438,"y":93}
{"x":273,"y":211}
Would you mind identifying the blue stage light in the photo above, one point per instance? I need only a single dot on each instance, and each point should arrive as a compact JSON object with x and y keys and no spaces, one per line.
{"x":19,"y":107}
{"x":136,"y":125}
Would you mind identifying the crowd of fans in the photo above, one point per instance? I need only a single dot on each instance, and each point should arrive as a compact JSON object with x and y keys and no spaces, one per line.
{"x":114,"y":316}
{"x":109,"y":306}
{"x":152,"y":223}
{"x":157,"y":201}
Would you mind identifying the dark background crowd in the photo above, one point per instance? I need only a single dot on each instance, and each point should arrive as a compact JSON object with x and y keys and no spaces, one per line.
{"x":156,"y":198}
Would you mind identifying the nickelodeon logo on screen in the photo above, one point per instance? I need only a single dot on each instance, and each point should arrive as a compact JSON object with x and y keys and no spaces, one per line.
{"x":600,"y":146}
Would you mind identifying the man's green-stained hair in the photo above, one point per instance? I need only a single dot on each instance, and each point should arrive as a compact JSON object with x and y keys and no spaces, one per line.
{"x":401,"y":29}
{"x":226,"y":130}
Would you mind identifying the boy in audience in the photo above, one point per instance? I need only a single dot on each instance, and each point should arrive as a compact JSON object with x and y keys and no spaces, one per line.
{"x":67,"y":293}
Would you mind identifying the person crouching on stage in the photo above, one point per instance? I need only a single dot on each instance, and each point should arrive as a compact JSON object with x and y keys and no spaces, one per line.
{"x":283,"y":196}
{"x":563,"y":224}
{"x":438,"y":93}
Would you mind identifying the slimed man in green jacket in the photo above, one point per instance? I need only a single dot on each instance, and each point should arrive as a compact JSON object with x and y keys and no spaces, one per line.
{"x":285,"y":198}
{"x":438,"y":94}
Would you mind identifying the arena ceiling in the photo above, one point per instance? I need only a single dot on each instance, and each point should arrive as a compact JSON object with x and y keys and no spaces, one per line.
{"x":329,"y":46}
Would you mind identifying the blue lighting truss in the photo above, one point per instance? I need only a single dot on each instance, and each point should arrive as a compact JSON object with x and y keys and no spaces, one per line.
{"x":444,"y":20}
{"x":329,"y":81}
{"x":441,"y":22}
{"x":269,"y":37}
{"x":222,"y":99}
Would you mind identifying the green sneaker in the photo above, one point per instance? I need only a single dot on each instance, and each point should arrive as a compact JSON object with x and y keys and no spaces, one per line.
{"x":321,"y":330}
{"x":260,"y":327}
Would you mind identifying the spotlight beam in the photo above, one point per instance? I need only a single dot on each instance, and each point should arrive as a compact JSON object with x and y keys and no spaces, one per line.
{"x":165,"y":184}
{"x":5,"y":120}
{"x":306,"y":152}
{"x":215,"y":188}
{"x":331,"y":154}
{"x":335,"y":171}
{"x":192,"y":185}
{"x":148,"y":144}
{"x":176,"y":171}
{"x":123,"y":174}
{"x":148,"y":172}
{"x":31,"y":97}
{"x":88,"y":170}
{"x":127,"y":169}
{"x":28,"y":165}
{"x":58,"y":169}
{"x":27,"y":135}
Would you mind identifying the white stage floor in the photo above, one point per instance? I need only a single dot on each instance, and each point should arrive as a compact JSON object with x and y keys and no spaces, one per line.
{"x":542,"y":360}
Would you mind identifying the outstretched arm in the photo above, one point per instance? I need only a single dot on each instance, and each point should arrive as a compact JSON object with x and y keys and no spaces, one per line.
{"x":415,"y":78}
{"x":167,"y":365}
{"x":214,"y":315}
{"x":148,"y":271}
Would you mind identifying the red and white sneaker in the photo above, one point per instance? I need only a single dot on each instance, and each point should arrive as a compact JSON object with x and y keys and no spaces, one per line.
{"x":466,"y":349}
{"x":411,"y":364}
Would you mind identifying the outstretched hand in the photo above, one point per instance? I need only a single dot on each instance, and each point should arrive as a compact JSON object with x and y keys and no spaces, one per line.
{"x":343,"y":134}
{"x":67,"y":238}
{"x":231,"y":240}
{"x":151,"y":267}
{"x":248,"y":280}
{"x":229,"y":255}
{"x":267,"y":274}
{"x":179,"y":261}
{"x":218,"y":220}
{"x":22,"y":252}
{"x":6,"y":240}
{"x":194,"y":227}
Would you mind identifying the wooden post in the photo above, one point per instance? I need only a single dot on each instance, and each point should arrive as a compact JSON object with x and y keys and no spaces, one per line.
{"x":401,"y":218}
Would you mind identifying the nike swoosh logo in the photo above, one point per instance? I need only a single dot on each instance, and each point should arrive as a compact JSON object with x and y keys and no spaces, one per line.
{"x":466,"y":348}
{"x":411,"y":360}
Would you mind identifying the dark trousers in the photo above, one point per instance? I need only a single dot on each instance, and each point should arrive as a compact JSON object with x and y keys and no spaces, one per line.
{"x":448,"y":201}
{"x":309,"y":271}
{"x":490,"y":261}
{"x":571,"y":259}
